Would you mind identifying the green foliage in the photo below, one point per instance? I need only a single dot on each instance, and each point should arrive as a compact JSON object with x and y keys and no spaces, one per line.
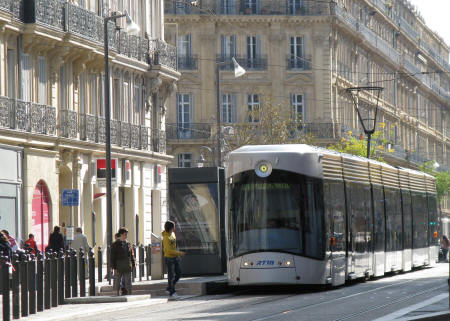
{"x":442,"y":178}
{"x":275,"y":125}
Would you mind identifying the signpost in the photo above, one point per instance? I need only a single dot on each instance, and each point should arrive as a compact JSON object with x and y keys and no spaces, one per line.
{"x":70,"y":197}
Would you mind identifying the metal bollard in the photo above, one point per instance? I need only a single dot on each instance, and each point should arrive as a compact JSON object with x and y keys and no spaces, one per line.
{"x":148,"y":261}
{"x":82,"y":267}
{"x":47,"y":284}
{"x":6,"y":304}
{"x":54,"y":278}
{"x":73,"y":272}
{"x":91,"y":272}
{"x":32,"y":284}
{"x":108,"y":264}
{"x":16,"y":287}
{"x":24,"y":285}
{"x":99,"y":264}
{"x":67,"y":292}
{"x":40,"y":282}
{"x":134,"y":267}
{"x":141,"y":262}
{"x":60,"y":269}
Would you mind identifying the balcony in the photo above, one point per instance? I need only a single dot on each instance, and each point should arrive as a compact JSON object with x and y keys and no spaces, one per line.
{"x":258,"y":63}
{"x":321,"y":130}
{"x":6,"y":5}
{"x":159,"y":141}
{"x":162,"y":53}
{"x":298,"y":63}
{"x":41,"y":119}
{"x":188,"y":131}
{"x":187,"y":62}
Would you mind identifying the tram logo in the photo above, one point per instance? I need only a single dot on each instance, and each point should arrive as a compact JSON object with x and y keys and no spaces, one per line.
{"x":265,"y":262}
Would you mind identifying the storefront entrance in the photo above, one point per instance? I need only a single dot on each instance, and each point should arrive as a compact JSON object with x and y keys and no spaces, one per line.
{"x":40,"y":208}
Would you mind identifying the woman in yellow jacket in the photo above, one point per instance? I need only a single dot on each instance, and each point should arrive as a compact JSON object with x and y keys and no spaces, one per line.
{"x":171,"y":257}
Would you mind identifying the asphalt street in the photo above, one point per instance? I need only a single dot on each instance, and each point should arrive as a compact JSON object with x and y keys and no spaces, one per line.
{"x":368,"y":300}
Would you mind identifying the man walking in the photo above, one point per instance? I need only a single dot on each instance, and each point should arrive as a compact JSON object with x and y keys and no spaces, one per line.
{"x":122,"y":262}
{"x":80,"y":241}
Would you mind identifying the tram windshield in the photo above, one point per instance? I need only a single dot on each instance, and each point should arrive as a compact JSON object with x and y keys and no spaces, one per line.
{"x":282,"y":212}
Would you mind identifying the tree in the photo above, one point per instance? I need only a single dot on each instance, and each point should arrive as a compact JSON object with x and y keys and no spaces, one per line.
{"x":442,"y":178}
{"x":270,"y":124}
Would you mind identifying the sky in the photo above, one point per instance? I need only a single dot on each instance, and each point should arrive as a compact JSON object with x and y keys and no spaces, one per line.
{"x":436,"y":15}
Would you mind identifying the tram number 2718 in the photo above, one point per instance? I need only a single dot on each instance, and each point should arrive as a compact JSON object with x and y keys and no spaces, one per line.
{"x":265,"y":262}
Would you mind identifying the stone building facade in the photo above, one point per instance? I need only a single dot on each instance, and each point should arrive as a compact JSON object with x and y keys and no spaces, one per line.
{"x":52,"y":107}
{"x":304,"y":54}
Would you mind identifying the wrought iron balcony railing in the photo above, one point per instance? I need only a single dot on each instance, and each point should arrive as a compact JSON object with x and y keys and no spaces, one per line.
{"x":187,"y":62}
{"x":188,"y":131}
{"x":162,"y":53}
{"x":50,"y":13}
{"x":68,"y":123}
{"x":253,"y":63}
{"x":88,"y":124}
{"x":159,"y":141}
{"x":6,"y":5}
{"x":298,"y":63}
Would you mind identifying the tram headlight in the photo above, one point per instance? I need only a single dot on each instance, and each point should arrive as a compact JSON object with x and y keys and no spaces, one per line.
{"x":246,"y":264}
{"x":263,"y":169}
{"x":288,"y":263}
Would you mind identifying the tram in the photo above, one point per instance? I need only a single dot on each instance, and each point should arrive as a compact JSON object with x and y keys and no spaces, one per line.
{"x":299,"y":214}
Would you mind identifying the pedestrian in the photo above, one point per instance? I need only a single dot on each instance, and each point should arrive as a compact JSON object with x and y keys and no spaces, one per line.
{"x":55,"y":241}
{"x":171,"y":258}
{"x":122,"y":262}
{"x":5,"y":247}
{"x":31,"y":243}
{"x":80,"y":241}
{"x":12,"y":241}
{"x":445,"y":244}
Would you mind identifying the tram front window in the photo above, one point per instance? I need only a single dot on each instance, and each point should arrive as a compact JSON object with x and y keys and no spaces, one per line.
{"x":282,"y":212}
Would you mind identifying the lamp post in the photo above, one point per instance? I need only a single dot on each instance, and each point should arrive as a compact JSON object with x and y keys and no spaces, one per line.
{"x":368,"y":123}
{"x":133,"y":29}
{"x":238,"y":72}
{"x":201,"y":159}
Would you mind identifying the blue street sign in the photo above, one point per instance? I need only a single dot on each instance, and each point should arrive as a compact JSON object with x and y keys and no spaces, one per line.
{"x":70,"y":197}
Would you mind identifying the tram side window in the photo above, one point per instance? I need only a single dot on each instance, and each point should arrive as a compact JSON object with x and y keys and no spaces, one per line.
{"x":432,"y":218}
{"x":359,"y":209}
{"x":393,"y":220}
{"x":407,"y":220}
{"x":379,"y":222}
{"x":313,"y":221}
{"x":420,"y":220}
{"x":334,"y":196}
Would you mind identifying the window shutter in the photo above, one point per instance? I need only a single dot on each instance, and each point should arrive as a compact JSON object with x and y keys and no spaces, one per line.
{"x":304,"y":107}
{"x":233,"y":46}
{"x":189,"y":39}
{"x":179,"y":117}
{"x":258,"y":46}
{"x":234,"y":107}
{"x":191,"y":107}
{"x":42,"y":89}
{"x":258,"y":6}
{"x":223,"y":49}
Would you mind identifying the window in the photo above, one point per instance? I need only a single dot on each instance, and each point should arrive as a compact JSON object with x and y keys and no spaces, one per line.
{"x":42,"y":86}
{"x":227,"y":47}
{"x":137,"y":103}
{"x":252,"y":6}
{"x":296,"y":7}
{"x":116,"y":113}
{"x":253,"y":51}
{"x":297,"y":107}
{"x":227,"y":7}
{"x":126,"y":102}
{"x":62,"y":88}
{"x":82,"y":98}
{"x":297,"y":57}
{"x":25,"y":89}
{"x":11,"y":73}
{"x":184,"y":51}
{"x":185,"y":160}
{"x":253,"y":108}
{"x":184,"y":115}
{"x":102,"y":95}
{"x":93,"y":95}
{"x":181,"y":7}
{"x":229,"y":108}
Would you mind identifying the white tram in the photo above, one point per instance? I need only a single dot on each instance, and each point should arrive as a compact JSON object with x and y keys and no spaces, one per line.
{"x":300,"y":214}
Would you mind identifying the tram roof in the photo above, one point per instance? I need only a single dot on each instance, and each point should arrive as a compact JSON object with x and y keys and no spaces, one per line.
{"x":302,"y":152}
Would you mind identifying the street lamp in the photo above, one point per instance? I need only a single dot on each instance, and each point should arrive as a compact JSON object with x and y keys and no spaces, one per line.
{"x":368,"y":122}
{"x":238,"y":72}
{"x":133,"y":29}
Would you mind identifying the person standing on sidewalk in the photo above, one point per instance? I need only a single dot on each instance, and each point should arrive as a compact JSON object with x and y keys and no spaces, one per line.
{"x":55,"y":241}
{"x":172,"y":258}
{"x":31,"y":243}
{"x":122,"y":262}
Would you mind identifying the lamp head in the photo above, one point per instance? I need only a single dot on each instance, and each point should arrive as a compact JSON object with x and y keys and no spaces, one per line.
{"x":201,"y":160}
{"x":131,"y":28}
{"x":238,"y":70}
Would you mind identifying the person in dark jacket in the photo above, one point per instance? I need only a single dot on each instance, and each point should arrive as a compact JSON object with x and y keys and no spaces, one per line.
{"x":55,"y":241}
{"x":122,"y":262}
{"x":5,"y":247}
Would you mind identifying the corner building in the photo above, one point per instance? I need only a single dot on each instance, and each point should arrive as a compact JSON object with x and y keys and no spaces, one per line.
{"x":303,"y":54}
{"x":52,"y":116}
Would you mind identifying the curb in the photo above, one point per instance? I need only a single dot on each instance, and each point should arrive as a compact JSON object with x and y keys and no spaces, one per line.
{"x":106,"y":299}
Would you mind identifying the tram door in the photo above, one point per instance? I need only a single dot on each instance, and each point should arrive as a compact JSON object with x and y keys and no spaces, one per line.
{"x":335,"y":215}
{"x":360,"y":226}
